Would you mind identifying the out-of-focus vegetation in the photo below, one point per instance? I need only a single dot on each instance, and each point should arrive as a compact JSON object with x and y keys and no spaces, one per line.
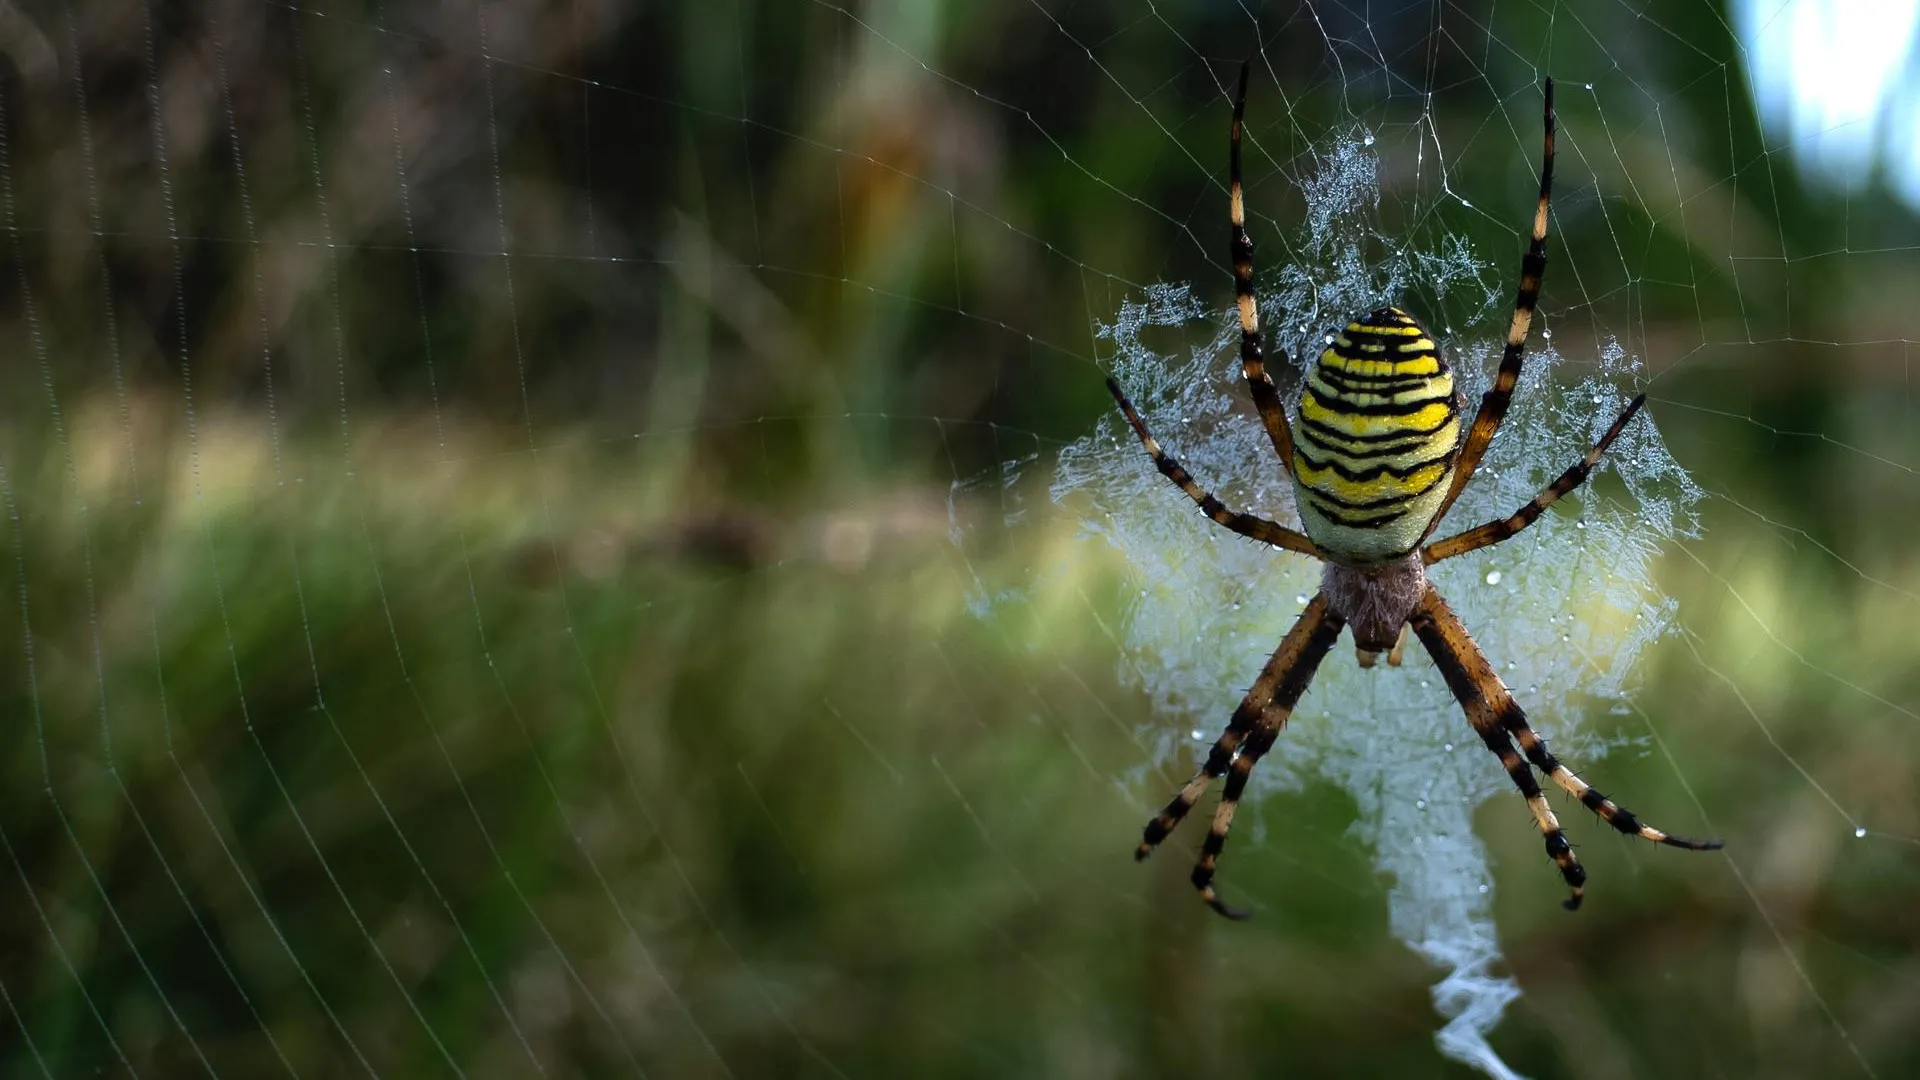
{"x":436,"y":660}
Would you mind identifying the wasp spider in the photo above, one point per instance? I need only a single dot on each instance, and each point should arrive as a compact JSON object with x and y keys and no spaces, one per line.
{"x":1377,"y":459}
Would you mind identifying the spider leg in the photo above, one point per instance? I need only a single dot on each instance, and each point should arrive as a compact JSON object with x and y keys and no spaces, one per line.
{"x":1248,"y":525}
{"x":1493,"y":405}
{"x":1265,"y":397}
{"x":1281,"y":667}
{"x":1491,"y":707}
{"x":1250,"y":732}
{"x":1256,"y":746}
{"x":1513,"y":719}
{"x":1494,"y":532}
{"x":1559,"y":849}
{"x":1473,"y":683}
{"x":1622,"y":819}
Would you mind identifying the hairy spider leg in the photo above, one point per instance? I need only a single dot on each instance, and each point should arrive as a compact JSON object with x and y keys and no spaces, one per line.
{"x":1248,"y":525}
{"x":1493,"y":532}
{"x":1273,"y":415}
{"x":1533,"y":266}
{"x":1500,"y":721}
{"x":1249,"y":733}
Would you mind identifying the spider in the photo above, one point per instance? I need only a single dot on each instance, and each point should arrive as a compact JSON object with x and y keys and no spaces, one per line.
{"x":1376,"y":461}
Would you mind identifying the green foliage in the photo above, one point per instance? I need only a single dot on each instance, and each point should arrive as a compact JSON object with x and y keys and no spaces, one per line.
{"x":418,"y":673}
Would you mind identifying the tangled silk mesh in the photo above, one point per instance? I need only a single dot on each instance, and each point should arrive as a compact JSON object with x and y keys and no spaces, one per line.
{"x":1563,"y":610}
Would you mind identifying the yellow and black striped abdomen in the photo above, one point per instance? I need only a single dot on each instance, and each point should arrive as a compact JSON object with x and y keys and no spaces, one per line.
{"x":1379,"y":428}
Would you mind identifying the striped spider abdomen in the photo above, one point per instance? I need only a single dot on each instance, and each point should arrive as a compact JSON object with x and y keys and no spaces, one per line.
{"x":1379,"y":431}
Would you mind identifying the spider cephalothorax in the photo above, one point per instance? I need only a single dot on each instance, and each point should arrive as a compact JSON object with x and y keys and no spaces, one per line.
{"x":1377,"y":459}
{"x":1374,"y":601}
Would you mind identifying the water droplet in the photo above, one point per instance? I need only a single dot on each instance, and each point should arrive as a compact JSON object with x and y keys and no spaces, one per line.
{"x":1236,"y":605}
{"x":1493,"y":577}
{"x":1546,"y":334}
{"x":1448,"y":747}
{"x":1196,"y":735}
{"x":1367,"y":140}
{"x":1580,"y":525}
{"x":1466,"y":203}
{"x":1483,"y":888}
{"x":1420,"y":804}
{"x":1301,"y":600}
{"x":1860,"y":833}
{"x":1589,"y":86}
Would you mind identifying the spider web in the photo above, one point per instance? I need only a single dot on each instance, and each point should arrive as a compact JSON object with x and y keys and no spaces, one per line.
{"x":564,"y":539}
{"x":1570,"y":609}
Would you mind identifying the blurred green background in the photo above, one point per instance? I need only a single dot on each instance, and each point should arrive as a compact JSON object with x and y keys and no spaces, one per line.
{"x":480,"y":486}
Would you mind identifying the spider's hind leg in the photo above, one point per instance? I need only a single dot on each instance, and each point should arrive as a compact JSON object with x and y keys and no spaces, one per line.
{"x":1253,"y":364}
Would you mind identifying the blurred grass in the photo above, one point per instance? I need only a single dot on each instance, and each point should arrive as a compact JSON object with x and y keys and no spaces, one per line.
{"x":412,"y":681}
{"x":761,"y":789}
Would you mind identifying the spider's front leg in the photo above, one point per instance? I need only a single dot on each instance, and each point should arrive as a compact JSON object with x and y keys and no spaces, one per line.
{"x":1473,"y":683}
{"x":1500,"y":721}
{"x":1250,"y":732}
